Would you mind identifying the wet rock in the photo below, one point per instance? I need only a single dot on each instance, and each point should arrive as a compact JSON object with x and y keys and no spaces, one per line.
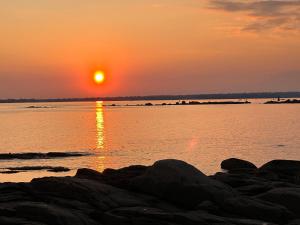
{"x":234,"y":164}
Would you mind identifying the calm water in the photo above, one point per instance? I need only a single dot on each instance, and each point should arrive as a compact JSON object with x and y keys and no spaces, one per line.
{"x":121,"y":136}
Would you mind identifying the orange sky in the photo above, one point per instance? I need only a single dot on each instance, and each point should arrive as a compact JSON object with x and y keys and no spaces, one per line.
{"x":51,"y":48}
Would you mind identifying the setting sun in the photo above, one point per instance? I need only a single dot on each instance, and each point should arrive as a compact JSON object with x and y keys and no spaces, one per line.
{"x":99,"y":77}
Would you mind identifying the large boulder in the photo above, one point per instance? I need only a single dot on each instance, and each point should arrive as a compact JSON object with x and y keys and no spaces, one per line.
{"x":180,"y":183}
{"x":290,"y":167}
{"x":235,"y":164}
{"x":288,"y":197}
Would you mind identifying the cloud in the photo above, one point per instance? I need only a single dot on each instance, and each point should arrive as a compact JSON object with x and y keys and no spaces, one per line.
{"x":264,"y":15}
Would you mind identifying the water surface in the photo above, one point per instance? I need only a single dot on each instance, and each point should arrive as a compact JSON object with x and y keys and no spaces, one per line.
{"x":202,"y":135}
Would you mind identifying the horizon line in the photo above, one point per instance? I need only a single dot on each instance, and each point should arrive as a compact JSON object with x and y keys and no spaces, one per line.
{"x":228,"y":95}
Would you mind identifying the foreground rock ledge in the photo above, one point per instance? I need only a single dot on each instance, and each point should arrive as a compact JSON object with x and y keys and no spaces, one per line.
{"x":170,"y":192}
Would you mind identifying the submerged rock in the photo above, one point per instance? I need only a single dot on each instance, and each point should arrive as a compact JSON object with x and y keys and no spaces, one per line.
{"x":35,"y":155}
{"x":55,"y":169}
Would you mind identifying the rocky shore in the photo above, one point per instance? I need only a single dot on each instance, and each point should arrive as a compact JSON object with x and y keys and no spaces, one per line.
{"x":170,"y":192}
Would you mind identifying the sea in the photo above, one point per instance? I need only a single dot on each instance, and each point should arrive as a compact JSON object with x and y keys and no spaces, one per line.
{"x":129,"y":133}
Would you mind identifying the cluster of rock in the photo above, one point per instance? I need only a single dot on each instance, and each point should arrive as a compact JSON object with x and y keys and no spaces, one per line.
{"x":55,"y":169}
{"x":190,"y":103}
{"x":288,"y":101}
{"x":40,"y":155}
{"x":170,"y":192}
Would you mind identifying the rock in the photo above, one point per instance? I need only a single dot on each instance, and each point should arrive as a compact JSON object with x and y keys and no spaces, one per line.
{"x":170,"y":192}
{"x":180,"y":183}
{"x":237,"y":180}
{"x":290,"y":167}
{"x":234,"y":163}
{"x":33,"y":168}
{"x":37,"y":155}
{"x":208,"y":206}
{"x":17,"y":221}
{"x":50,"y":214}
{"x":122,"y":177}
{"x":254,"y":189}
{"x":94,"y":193}
{"x":89,"y":174}
{"x":267,"y":174}
{"x":295,"y":222}
{"x":58,"y":169}
{"x":257,"y":209}
{"x":288,"y":197}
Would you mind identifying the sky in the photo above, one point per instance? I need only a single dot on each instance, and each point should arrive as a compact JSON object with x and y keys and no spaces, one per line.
{"x":51,"y":48}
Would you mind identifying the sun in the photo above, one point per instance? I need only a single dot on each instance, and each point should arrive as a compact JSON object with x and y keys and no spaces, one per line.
{"x":99,"y":77}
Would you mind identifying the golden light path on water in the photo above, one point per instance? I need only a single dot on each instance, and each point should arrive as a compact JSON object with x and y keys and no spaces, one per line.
{"x":100,"y":135}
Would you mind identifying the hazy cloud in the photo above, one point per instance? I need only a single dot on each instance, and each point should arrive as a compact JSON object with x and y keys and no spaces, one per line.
{"x":264,"y":14}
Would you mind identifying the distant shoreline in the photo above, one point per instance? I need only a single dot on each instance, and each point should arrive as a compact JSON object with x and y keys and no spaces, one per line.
{"x":254,"y":95}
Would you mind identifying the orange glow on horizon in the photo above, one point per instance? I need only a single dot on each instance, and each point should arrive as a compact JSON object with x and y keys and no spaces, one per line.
{"x":99,"y":77}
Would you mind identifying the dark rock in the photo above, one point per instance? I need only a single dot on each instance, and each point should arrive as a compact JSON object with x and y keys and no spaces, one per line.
{"x":237,"y":180}
{"x":34,"y":155}
{"x":122,"y":177}
{"x":208,"y":206}
{"x":282,"y":166}
{"x":32,"y":168}
{"x":254,"y":189}
{"x":17,"y":221}
{"x":170,"y":192}
{"x":58,"y":169}
{"x":257,"y":209}
{"x":9,"y":171}
{"x":267,"y":174}
{"x":180,"y":183}
{"x":233,"y":164}
{"x":295,"y":222}
{"x":288,"y":197}
{"x":50,"y":214}
{"x":89,"y":174}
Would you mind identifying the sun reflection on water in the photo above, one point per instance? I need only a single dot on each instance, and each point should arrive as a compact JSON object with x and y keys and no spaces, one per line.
{"x":100,"y":162}
{"x":100,"y":125}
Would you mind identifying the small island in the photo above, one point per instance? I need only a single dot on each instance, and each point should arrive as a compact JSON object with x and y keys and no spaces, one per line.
{"x":189,"y":103}
{"x":169,"y":192}
{"x":288,"y":101}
